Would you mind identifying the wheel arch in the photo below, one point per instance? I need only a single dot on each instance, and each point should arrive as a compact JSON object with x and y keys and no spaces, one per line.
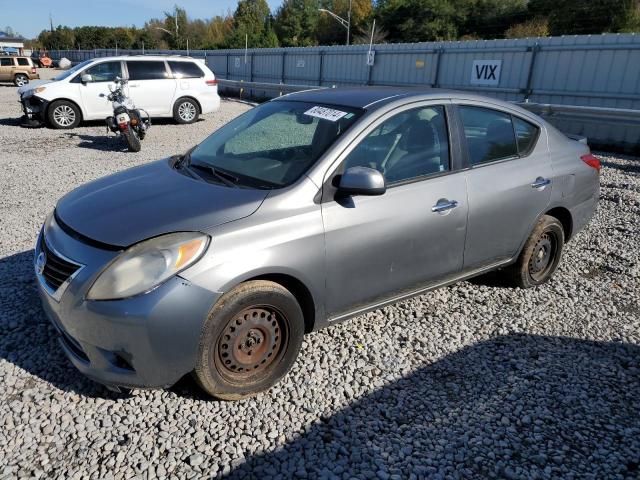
{"x":563,"y":215}
{"x":190,"y":97}
{"x":298,"y":289}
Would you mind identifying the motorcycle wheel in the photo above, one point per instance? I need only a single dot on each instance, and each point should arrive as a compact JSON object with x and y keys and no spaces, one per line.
{"x":132,"y":140}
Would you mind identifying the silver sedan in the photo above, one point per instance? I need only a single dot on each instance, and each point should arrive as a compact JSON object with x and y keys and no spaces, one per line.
{"x":305,"y":211}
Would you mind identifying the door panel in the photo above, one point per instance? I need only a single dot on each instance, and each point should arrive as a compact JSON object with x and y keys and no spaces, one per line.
{"x":505,"y":196}
{"x":94,"y":94}
{"x":150,"y":86}
{"x":380,"y":246}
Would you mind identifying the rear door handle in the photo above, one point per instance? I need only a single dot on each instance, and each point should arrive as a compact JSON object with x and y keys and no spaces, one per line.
{"x":443,"y":206}
{"x":540,"y":183}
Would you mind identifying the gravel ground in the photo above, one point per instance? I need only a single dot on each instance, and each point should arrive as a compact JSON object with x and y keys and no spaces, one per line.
{"x":471,"y":381}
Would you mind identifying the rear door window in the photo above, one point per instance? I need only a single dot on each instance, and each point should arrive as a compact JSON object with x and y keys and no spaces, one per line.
{"x":147,"y":70}
{"x":24,"y":62}
{"x":185,"y":70}
{"x":527,"y":135}
{"x":489,"y":133}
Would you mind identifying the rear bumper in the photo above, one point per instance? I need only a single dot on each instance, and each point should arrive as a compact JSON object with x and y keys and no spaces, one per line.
{"x":582,"y":213}
{"x":145,"y":341}
{"x":210,"y":101}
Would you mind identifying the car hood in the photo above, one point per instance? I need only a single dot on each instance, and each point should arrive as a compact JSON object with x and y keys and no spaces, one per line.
{"x":143,"y":202}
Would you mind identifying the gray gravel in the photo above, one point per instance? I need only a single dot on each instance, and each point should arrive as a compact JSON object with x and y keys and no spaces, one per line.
{"x":472,"y":381}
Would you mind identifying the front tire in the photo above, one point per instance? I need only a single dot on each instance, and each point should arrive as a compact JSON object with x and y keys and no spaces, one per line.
{"x":540,"y":256}
{"x":133,"y":141}
{"x":186,"y":111}
{"x":249,"y":341}
{"x":20,"y":80}
{"x":63,"y":114}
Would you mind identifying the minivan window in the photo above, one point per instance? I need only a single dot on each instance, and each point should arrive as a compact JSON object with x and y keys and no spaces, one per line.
{"x":272,"y":145}
{"x":489,"y":133}
{"x":527,"y":134}
{"x":6,"y":62}
{"x":411,"y":144}
{"x":23,"y":61}
{"x":105,"y":71}
{"x":147,"y":70}
{"x":185,"y":70}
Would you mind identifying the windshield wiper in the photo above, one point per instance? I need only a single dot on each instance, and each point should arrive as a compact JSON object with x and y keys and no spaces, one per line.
{"x":225,"y":177}
{"x":184,"y":160}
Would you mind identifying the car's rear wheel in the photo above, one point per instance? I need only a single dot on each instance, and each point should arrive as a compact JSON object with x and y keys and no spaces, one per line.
{"x":250,"y":340}
{"x":20,"y":80}
{"x":540,"y":256}
{"x":63,"y":114}
{"x":186,"y":110}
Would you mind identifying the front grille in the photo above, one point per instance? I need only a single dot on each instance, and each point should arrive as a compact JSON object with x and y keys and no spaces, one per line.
{"x":56,"y":269}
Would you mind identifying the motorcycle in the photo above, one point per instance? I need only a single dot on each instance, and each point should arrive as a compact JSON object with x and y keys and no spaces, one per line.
{"x":127,"y":119}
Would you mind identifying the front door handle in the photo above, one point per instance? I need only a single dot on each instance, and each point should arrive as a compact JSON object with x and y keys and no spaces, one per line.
{"x":443,"y":206}
{"x":540,"y":183}
{"x":134,"y":85}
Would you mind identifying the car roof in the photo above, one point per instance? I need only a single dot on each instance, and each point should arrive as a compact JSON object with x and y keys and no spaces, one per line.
{"x":372,"y":98}
{"x":146,"y":57}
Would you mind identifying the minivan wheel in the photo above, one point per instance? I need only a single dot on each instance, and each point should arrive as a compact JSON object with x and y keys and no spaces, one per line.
{"x":250,"y":340}
{"x":20,"y":80}
{"x":540,"y":256}
{"x":186,"y":111}
{"x":63,"y":114}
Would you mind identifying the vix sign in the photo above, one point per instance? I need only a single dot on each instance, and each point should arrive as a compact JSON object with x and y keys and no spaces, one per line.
{"x":486,"y":72}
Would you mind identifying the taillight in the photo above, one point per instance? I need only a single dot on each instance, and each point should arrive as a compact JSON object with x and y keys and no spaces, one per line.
{"x":591,"y":160}
{"x":33,"y":69}
{"x":212,"y":83}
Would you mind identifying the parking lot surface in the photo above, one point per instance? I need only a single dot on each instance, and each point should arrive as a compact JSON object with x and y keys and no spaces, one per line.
{"x":471,"y":381}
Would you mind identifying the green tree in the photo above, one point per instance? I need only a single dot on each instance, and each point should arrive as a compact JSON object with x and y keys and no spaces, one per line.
{"x":491,"y":18}
{"x":296,"y":23}
{"x":420,"y":20}
{"x":330,"y":32}
{"x":536,"y":27}
{"x":252,"y":20}
{"x":176,"y":23}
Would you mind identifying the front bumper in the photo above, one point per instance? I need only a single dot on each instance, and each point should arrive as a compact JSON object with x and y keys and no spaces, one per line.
{"x":34,"y":109}
{"x":150,"y":340}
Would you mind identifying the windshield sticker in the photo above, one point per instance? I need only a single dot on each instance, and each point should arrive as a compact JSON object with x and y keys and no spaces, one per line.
{"x":325,"y":113}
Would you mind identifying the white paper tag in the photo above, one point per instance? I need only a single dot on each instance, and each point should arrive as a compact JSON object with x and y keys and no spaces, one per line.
{"x":325,"y":113}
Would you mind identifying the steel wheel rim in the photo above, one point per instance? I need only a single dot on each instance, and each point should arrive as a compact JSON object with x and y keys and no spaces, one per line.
{"x":543,"y":256}
{"x":187,"y":111}
{"x":251,"y":343}
{"x":21,"y":81}
{"x":64,"y":115}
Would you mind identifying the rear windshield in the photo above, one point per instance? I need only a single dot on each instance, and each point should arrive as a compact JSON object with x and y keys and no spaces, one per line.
{"x":185,"y":70}
{"x":274,"y":144}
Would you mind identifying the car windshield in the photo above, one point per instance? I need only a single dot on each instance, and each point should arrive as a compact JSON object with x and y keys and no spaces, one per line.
{"x":274,"y":144}
{"x":73,"y":70}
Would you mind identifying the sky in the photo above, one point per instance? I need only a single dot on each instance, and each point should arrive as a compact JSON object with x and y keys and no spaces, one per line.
{"x":30,"y":17}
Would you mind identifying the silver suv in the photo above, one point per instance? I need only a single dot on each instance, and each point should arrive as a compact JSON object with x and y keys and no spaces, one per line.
{"x":301,"y":213}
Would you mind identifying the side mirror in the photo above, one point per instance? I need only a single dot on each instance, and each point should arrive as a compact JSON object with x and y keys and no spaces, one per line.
{"x":86,"y":78}
{"x":362,"y":181}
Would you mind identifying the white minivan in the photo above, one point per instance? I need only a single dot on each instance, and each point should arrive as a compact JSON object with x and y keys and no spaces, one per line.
{"x":165,"y":86}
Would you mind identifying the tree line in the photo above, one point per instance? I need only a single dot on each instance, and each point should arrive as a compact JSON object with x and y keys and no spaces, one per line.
{"x":302,"y":23}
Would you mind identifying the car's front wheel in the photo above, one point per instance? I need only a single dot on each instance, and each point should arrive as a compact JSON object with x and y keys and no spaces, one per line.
{"x":250,"y":340}
{"x":63,"y":114}
{"x":20,"y":80}
{"x":540,"y":256}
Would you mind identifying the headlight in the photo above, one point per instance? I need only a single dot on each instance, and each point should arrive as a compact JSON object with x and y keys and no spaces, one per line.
{"x":148,"y":264}
{"x":39,"y":89}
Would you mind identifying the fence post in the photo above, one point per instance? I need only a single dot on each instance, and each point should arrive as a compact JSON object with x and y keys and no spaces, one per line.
{"x":534,"y":53}
{"x":436,"y":79}
{"x":284,"y":62}
{"x":321,"y":54}
{"x":227,"y":71}
{"x":370,"y":71}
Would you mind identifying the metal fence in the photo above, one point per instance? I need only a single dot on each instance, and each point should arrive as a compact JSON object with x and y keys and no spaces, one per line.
{"x":598,"y":74}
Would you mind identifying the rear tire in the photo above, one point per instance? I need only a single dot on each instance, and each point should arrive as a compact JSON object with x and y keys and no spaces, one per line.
{"x":249,"y":341}
{"x":63,"y":114}
{"x":20,"y":80}
{"x":540,"y":256}
{"x":186,"y":111}
{"x":132,"y":140}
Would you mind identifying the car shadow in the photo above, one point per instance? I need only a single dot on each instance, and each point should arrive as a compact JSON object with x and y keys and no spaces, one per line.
{"x":511,"y":406}
{"x":11,"y":122}
{"x":515,"y":406}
